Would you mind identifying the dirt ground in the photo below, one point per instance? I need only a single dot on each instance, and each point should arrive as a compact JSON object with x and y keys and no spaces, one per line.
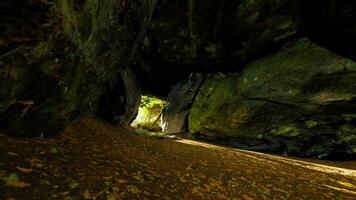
{"x":95,"y":160}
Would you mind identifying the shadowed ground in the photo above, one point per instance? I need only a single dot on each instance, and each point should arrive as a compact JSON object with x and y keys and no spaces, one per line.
{"x":94,"y":160}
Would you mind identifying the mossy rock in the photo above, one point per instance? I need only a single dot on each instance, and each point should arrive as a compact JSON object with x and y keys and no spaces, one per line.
{"x":290,"y":101}
{"x":70,"y":52}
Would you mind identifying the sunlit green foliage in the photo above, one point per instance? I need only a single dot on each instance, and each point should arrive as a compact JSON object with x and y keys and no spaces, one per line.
{"x":149,"y":102}
{"x":149,"y":113}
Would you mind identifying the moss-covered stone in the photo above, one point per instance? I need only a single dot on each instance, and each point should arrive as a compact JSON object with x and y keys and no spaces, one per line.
{"x":70,"y":53}
{"x":290,"y":101}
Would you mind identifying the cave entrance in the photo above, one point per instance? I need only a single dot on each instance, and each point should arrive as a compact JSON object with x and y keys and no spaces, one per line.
{"x":150,"y":113}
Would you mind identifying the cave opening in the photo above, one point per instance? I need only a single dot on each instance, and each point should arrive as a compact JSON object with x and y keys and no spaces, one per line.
{"x":149,"y":116}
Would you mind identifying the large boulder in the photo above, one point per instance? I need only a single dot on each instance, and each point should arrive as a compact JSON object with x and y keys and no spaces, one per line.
{"x":58,"y":57}
{"x":300,"y":101}
{"x":211,"y":36}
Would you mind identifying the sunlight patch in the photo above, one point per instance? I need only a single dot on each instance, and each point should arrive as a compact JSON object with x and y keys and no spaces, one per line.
{"x":149,"y":113}
{"x":278,"y":160}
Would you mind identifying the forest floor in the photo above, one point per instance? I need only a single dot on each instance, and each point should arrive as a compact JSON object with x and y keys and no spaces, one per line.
{"x":95,"y":160}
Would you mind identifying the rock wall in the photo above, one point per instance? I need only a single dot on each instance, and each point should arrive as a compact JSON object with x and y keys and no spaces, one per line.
{"x":211,"y":36}
{"x":300,"y":101}
{"x":180,"y":98}
{"x":58,"y":58}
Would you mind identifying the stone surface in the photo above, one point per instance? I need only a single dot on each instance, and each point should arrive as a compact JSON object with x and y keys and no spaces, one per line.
{"x":211,"y":36}
{"x":180,"y":99}
{"x":120,"y":100}
{"x":133,"y":96}
{"x":300,"y":101}
{"x":57,"y":59}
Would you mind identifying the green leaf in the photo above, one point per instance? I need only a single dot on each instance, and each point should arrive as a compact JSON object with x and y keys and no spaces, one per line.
{"x":73,"y":185}
{"x":53,"y":150}
{"x":12,"y":177}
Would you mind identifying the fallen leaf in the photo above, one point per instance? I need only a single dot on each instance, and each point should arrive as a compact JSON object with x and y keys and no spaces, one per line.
{"x":110,"y":197}
{"x":53,"y":150}
{"x":18,"y":184}
{"x":25,"y":170}
{"x":64,"y":193}
{"x":167,"y":198}
{"x":133,"y":189}
{"x":246,"y":197}
{"x":45,"y":182}
{"x":350,"y":185}
{"x":12,"y":154}
{"x":147,"y":193}
{"x":196,"y":190}
{"x":221,"y":196}
{"x":36,"y":162}
{"x":182,"y":180}
{"x":26,"y":102}
{"x":122,"y":181}
{"x":139,"y":178}
{"x":11,"y":177}
{"x":87,"y":195}
{"x":73,"y":185}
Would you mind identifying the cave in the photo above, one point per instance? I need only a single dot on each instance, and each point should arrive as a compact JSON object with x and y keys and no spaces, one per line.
{"x":156,"y":99}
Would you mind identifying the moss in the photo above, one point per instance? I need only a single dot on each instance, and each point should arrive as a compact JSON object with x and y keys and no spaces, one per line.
{"x":64,"y":72}
{"x":248,"y":5}
{"x":289,"y":131}
{"x":49,"y":68}
{"x":311,"y":124}
{"x":70,"y":22}
{"x":349,"y":139}
{"x":347,"y":130}
{"x":201,"y":103}
{"x":212,"y":49}
{"x":349,"y":117}
{"x":277,"y":93}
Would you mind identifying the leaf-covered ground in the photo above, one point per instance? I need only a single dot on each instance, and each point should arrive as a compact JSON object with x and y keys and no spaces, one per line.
{"x":94,"y":160}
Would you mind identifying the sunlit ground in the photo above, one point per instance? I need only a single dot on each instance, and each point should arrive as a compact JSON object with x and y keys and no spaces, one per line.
{"x":93,"y":157}
{"x":148,"y":117}
{"x":276,"y":160}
